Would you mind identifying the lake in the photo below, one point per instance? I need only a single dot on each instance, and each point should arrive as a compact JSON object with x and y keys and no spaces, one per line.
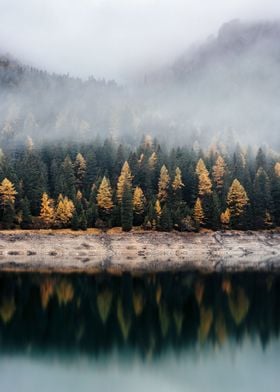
{"x":161,"y":332}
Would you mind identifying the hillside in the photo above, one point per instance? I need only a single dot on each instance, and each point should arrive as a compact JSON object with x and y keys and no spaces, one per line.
{"x":227,"y":87}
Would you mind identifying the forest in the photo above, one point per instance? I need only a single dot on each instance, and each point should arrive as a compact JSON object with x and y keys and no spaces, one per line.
{"x":106,"y":184}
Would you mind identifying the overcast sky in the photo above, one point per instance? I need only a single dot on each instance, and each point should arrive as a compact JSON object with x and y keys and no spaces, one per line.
{"x":114,"y":38}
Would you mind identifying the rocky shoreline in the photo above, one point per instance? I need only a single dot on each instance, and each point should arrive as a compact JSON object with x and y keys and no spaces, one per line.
{"x":229,"y":251}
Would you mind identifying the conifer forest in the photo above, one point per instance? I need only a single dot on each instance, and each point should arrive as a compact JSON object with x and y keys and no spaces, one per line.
{"x":106,"y":184}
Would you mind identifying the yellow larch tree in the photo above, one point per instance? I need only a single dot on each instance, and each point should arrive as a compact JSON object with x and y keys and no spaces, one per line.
{"x":157,"y":208}
{"x":163,"y":184}
{"x":177,"y":182}
{"x":204,"y":182}
{"x":225,"y":218}
{"x":139,"y":201}
{"x":7,"y":192}
{"x":218,"y":172}
{"x":47,"y":213}
{"x":277,"y":169}
{"x":198,"y":213}
{"x":152,"y":160}
{"x":104,"y":196}
{"x":125,"y":179}
{"x":64,"y":210}
{"x":237,"y":199}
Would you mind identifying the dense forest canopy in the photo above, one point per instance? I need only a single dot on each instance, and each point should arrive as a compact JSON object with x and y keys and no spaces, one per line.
{"x":86,"y":163}
{"x":105,"y":184}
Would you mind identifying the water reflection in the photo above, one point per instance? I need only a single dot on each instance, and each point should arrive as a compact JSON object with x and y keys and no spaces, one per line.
{"x":147,"y":315}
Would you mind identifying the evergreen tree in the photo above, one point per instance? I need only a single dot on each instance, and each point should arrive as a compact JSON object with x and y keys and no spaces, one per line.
{"x":80,"y":168}
{"x":165,"y":222}
{"x":34,"y":175}
{"x":262,"y":200}
{"x":127,"y":209}
{"x":67,"y":178}
{"x":8,"y":217}
{"x":275,"y":191}
{"x":26,"y":218}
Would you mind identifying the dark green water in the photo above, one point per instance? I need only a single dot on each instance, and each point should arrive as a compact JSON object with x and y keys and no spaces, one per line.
{"x":164,"y":332}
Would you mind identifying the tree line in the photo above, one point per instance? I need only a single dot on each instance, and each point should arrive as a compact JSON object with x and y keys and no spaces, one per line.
{"x":106,"y":185}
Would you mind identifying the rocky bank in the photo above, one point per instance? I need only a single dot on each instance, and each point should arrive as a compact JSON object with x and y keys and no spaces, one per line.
{"x":140,"y":252}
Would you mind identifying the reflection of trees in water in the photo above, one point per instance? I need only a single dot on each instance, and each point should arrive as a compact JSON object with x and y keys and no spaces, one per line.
{"x":148,"y":314}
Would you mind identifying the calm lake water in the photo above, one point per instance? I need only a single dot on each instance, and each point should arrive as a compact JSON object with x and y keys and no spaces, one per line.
{"x":164,"y":332}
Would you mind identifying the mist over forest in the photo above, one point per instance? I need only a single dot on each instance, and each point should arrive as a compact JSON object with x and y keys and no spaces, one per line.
{"x":225,"y":89}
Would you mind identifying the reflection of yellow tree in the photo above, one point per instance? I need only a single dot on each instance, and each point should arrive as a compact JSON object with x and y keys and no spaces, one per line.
{"x":164,"y":319}
{"x":64,"y":292}
{"x":138,"y":302}
{"x":7,"y":309}
{"x":226,"y":286}
{"x":238,"y":305}
{"x":104,"y":302}
{"x":158,"y":293}
{"x":46,"y":291}
{"x":178,"y":319}
{"x":199,"y":291}
{"x":206,"y":319}
{"x":220,"y":328}
{"x":124,"y":321}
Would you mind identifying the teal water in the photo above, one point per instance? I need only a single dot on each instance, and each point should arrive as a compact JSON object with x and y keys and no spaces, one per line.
{"x":164,"y":332}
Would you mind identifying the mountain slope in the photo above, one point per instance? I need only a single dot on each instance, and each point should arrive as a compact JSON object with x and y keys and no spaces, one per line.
{"x":228,"y":85}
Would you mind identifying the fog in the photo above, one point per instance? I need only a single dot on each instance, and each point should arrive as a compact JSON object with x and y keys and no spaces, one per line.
{"x":179,"y":72}
{"x":114,"y":39}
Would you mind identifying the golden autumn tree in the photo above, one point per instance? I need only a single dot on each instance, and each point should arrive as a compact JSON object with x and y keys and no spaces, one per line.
{"x":139,"y":201}
{"x":198,"y":213}
{"x":64,"y":210}
{"x":158,"y":209}
{"x":277,"y":169}
{"x":7,"y":309}
{"x":204,"y":182}
{"x":124,"y":320}
{"x":104,"y":196}
{"x":218,"y":172}
{"x":237,"y":200}
{"x":177,"y":183}
{"x":104,"y":302}
{"x":7,"y":192}
{"x":152,"y":160}
{"x":125,"y":179}
{"x":64,"y":292}
{"x":47,"y":213}
{"x":225,"y":218}
{"x":163,"y":184}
